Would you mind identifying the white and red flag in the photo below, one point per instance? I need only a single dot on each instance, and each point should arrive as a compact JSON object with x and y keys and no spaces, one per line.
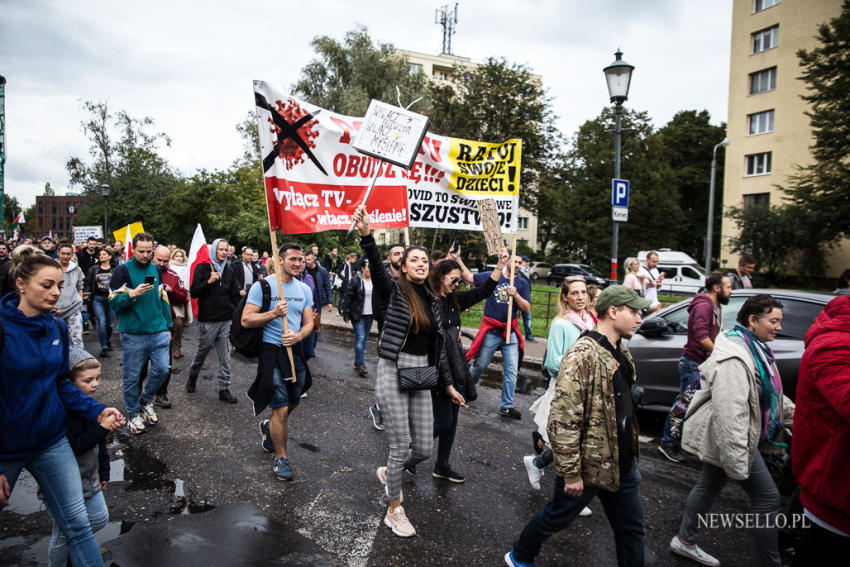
{"x":199,"y":253}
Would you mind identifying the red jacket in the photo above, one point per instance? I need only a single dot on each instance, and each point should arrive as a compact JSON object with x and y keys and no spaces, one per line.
{"x":178,"y":294}
{"x":821,"y":446}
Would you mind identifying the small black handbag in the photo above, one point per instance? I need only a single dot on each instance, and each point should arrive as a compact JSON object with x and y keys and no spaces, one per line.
{"x":416,"y":379}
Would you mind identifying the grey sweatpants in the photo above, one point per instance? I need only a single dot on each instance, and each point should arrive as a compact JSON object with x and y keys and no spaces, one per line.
{"x":408,"y":419}
{"x":213,"y":334}
{"x":764,"y":504}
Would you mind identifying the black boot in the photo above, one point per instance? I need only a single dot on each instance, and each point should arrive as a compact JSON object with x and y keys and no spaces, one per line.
{"x":190,"y":384}
{"x":545,"y":458}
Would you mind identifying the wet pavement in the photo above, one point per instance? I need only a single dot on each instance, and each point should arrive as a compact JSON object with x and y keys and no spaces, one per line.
{"x":198,"y":489}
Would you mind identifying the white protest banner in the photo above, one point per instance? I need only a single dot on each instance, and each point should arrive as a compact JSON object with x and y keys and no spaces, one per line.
{"x":315,"y":178}
{"x":83,"y":233}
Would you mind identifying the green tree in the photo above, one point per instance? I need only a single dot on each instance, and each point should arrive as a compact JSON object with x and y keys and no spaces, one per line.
{"x":819,"y":191}
{"x":688,"y":141}
{"x":345,"y":76}
{"x":124,"y":154}
{"x":583,"y":230}
{"x":770,"y":234}
{"x":11,"y":209}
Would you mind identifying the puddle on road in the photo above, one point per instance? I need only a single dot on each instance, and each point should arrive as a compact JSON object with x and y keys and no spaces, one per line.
{"x":526,"y":382}
{"x":136,"y":467}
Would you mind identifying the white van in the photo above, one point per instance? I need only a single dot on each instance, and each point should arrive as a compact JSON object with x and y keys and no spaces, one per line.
{"x":684,"y":275}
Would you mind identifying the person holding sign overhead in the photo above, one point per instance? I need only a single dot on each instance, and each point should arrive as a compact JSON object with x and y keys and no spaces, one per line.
{"x":494,"y":324}
{"x":410,"y":351}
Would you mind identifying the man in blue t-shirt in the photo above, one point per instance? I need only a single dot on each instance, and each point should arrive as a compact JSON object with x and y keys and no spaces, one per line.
{"x":297,"y":307}
{"x":493,"y":329}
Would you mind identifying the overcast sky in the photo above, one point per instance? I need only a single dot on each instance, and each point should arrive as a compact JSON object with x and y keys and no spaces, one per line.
{"x":189,"y":65}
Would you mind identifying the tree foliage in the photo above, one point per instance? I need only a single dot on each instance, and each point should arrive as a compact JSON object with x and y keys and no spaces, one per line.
{"x":584,"y":227}
{"x":819,"y":191}
{"x":770,"y":234}
{"x":688,"y":141}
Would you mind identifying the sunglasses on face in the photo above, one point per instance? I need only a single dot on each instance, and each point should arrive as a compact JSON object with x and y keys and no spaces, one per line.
{"x":453,"y":281}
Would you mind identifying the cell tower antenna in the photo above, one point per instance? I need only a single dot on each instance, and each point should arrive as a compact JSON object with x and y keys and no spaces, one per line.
{"x":448,"y":20}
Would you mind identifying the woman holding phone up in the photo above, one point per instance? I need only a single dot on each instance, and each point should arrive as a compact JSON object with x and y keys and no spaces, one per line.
{"x":410,"y":350}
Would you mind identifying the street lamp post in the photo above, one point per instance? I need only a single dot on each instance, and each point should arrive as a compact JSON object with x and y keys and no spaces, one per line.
{"x":104,"y":190}
{"x":71,"y":210}
{"x":708,"y":235}
{"x":618,"y":76}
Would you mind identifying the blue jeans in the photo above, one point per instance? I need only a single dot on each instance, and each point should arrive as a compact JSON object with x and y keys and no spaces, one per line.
{"x":361,"y":333}
{"x":510,"y":358}
{"x":622,"y":508}
{"x":98,"y":513}
{"x":57,"y":473}
{"x":287,"y":393}
{"x":688,"y":369}
{"x":137,"y":350}
{"x":526,"y":323}
{"x":103,"y":314}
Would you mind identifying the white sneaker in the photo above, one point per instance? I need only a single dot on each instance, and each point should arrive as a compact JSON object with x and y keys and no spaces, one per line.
{"x":585,"y":512}
{"x":381,"y":473}
{"x":397,"y":521}
{"x":136,"y":425}
{"x":149,"y":414}
{"x":534,"y":474}
{"x":692,"y":552}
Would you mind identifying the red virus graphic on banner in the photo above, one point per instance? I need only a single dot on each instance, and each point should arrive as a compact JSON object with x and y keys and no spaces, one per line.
{"x":289,"y":150}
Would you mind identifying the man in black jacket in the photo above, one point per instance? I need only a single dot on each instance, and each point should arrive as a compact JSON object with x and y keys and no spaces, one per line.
{"x":245,"y":271}
{"x":87,"y":256}
{"x":214,"y":287}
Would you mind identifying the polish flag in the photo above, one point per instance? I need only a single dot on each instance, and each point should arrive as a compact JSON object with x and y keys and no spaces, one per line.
{"x":199,"y":253}
{"x":128,"y":245}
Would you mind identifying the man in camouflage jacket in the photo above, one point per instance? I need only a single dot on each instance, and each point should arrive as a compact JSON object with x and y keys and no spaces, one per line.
{"x":593,"y":433}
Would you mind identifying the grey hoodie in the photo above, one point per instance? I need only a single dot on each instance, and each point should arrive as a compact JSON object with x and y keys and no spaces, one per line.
{"x":70,"y":301}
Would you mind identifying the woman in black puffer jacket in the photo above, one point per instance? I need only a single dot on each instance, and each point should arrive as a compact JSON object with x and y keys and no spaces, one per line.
{"x":456,"y":384}
{"x":410,"y":339}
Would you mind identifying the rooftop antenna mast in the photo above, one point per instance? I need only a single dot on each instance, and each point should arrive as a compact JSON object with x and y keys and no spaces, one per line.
{"x":448,"y":20}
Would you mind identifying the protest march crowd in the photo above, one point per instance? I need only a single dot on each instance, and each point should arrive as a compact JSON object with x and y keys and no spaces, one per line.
{"x":730,"y":411}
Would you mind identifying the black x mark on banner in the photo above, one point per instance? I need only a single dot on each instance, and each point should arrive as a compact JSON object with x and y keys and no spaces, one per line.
{"x":287,"y":130}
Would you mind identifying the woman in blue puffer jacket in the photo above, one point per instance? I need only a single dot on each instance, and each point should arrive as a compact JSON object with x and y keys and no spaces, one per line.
{"x":34,"y":395}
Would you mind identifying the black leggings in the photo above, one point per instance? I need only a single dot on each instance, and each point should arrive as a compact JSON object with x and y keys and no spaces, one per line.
{"x":445,"y":426}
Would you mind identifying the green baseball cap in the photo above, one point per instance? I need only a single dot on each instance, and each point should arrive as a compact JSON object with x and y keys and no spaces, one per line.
{"x":616,"y":295}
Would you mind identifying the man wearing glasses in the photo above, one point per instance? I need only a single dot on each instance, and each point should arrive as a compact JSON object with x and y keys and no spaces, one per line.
{"x":144,"y":319}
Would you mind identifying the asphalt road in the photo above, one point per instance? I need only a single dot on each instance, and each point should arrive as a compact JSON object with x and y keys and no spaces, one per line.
{"x":198,"y":490}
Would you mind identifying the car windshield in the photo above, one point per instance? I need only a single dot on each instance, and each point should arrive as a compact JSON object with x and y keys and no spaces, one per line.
{"x":590,"y":271}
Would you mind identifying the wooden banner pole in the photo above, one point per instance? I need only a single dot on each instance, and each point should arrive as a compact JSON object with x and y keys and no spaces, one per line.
{"x":278,"y":270}
{"x":511,"y":298}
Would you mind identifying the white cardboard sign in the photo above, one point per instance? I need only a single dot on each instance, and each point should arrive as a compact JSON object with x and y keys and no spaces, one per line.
{"x":391,"y":133}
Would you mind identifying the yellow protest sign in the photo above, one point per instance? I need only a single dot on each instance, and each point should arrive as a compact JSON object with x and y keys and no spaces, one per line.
{"x":482,"y":168}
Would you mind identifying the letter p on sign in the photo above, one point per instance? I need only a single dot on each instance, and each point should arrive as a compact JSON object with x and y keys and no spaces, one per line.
{"x":619,"y":193}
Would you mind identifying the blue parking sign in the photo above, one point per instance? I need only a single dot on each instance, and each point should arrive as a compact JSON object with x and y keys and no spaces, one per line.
{"x":619,"y":193}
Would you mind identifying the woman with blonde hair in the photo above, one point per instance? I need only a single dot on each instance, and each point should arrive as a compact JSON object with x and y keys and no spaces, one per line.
{"x":632,"y":279}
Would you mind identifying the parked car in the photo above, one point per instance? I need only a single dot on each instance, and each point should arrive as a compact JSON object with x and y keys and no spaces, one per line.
{"x":658,"y":343}
{"x":683,"y":274}
{"x":539,"y":270}
{"x":560,"y":271}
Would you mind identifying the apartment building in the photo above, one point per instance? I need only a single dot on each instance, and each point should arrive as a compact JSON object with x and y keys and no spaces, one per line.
{"x":769,"y":133}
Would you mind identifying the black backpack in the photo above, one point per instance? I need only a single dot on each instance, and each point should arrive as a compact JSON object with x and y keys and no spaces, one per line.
{"x":248,"y":342}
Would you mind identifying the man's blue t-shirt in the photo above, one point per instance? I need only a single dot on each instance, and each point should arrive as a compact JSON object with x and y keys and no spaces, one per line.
{"x":297,"y":295}
{"x":496,"y":306}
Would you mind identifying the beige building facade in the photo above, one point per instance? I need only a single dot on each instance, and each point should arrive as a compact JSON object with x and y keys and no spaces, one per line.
{"x":440,"y":68}
{"x":769,"y":133}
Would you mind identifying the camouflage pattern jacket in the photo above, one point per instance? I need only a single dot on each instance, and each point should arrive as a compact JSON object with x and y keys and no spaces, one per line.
{"x":582,"y":421}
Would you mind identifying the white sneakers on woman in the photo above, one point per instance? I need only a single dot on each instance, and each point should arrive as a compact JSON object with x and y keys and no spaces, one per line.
{"x":397,"y":521}
{"x":692,"y":552}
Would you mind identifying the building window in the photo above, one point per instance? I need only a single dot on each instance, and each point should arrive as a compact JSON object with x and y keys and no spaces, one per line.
{"x":759,"y":164}
{"x":41,"y":211}
{"x":760,"y":122}
{"x":522,"y":223}
{"x":765,"y":4}
{"x":757,"y":200}
{"x":765,"y":39}
{"x":415,"y":68}
{"x":762,"y":81}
